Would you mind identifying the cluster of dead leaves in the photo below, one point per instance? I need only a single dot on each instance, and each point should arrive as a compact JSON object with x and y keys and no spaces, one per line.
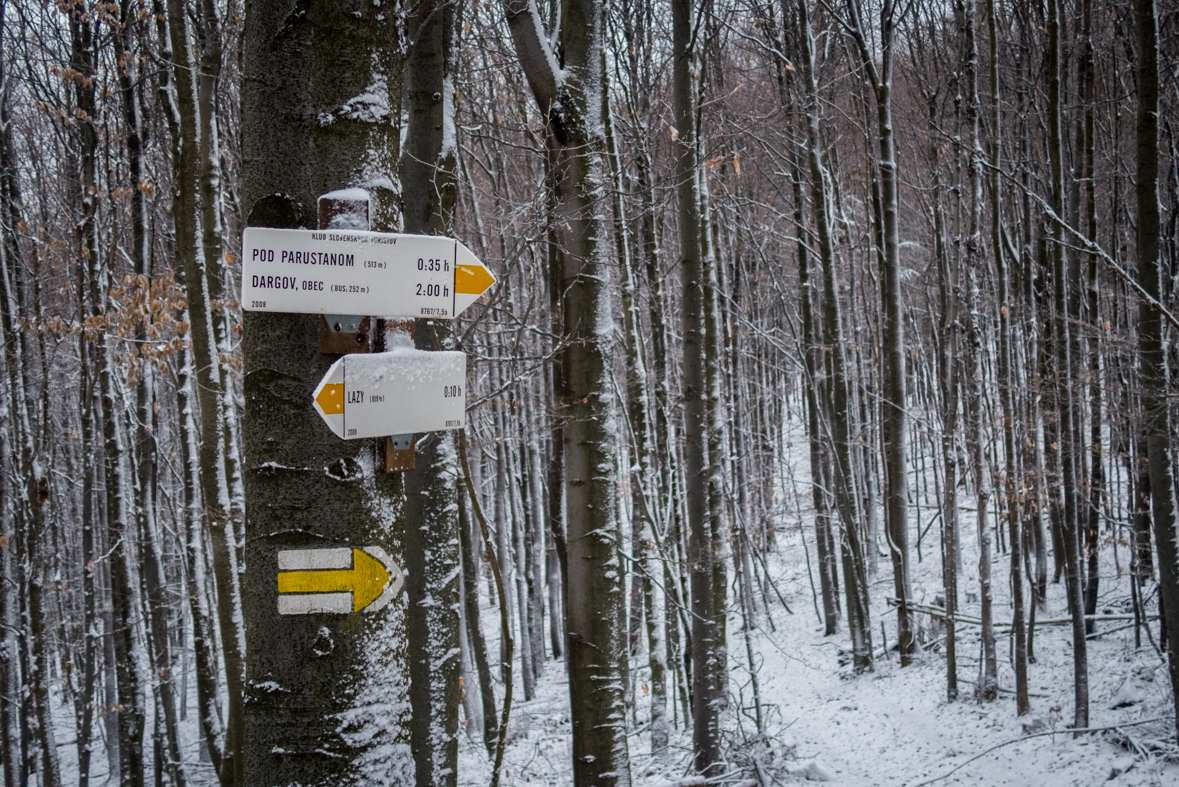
{"x":147,"y":319}
{"x":144,"y":319}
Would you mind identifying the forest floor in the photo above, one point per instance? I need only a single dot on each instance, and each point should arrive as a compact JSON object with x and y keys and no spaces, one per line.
{"x":892,"y":726}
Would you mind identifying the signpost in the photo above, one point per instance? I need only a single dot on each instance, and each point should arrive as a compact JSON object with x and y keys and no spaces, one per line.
{"x":321,"y":561}
{"x":355,"y":272}
{"x":393,"y":393}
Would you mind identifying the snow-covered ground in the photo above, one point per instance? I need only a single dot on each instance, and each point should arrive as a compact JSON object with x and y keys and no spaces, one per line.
{"x":889,"y":727}
{"x":892,"y":726}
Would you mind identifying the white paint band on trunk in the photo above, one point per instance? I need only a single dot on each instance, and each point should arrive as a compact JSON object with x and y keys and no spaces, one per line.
{"x":314,"y":603}
{"x":314,"y":559}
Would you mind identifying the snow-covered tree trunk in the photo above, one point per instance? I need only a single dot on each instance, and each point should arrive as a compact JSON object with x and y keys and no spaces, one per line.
{"x":813,"y":387}
{"x":486,"y":690}
{"x":120,"y":534}
{"x":702,"y":551}
{"x":893,"y":373}
{"x":854,"y":574}
{"x":1088,"y":221}
{"x":326,"y":693}
{"x":1152,"y":347}
{"x":644,"y":597}
{"x":973,"y":351}
{"x":206,"y":361}
{"x":207,"y":32}
{"x":1062,"y":330}
{"x":570,"y":97}
{"x":1006,"y":382}
{"x":203,"y":635}
{"x":432,"y":554}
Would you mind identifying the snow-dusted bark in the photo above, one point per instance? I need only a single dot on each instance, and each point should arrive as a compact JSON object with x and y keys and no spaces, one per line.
{"x":131,"y":86}
{"x":1152,"y":347}
{"x":432,"y":555}
{"x":815,"y":384}
{"x":571,"y":100}
{"x":855,"y":575}
{"x":489,"y":726}
{"x":645,"y":597}
{"x":186,"y":215}
{"x":120,"y":533}
{"x":327,"y":700}
{"x":1065,"y":411}
{"x":1006,"y":379}
{"x":203,"y":638}
{"x":893,"y":374}
{"x":699,"y":352}
{"x":972,"y":352}
{"x":207,"y":32}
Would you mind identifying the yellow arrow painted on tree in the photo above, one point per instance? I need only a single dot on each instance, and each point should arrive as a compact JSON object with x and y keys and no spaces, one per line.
{"x":472,"y":279}
{"x":366,"y":580}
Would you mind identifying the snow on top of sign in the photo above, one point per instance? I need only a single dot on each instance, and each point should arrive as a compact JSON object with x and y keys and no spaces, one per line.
{"x":353,"y":194}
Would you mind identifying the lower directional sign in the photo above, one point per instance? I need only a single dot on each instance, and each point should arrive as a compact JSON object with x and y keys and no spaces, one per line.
{"x":391,"y":393}
{"x":336,"y":581}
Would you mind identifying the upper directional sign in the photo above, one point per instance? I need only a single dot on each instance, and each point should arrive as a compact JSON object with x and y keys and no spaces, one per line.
{"x":336,"y":580}
{"x":356,"y":272}
{"x":397,"y":392}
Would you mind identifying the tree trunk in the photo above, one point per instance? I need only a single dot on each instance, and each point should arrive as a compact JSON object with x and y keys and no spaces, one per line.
{"x":571,"y":99}
{"x":1006,"y":382}
{"x":326,"y":693}
{"x":432,"y":553}
{"x":702,"y":552}
{"x":206,"y":359}
{"x":1151,"y":345}
{"x":474,"y":628}
{"x":1096,"y":417}
{"x":893,"y":361}
{"x":203,"y":637}
{"x":989,"y":679}
{"x":854,"y":573}
{"x":1070,"y":526}
{"x":130,"y":695}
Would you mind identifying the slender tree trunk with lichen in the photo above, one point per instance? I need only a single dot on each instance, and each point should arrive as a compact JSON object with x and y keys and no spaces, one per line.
{"x":570,"y":96}
{"x":431,"y":512}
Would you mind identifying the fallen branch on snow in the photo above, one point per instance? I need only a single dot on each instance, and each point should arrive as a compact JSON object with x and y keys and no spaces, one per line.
{"x":1074,"y":730}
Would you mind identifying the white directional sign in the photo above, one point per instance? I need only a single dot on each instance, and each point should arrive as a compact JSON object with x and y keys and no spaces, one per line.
{"x":391,"y":393}
{"x":338,"y":581}
{"x":357,"y":272}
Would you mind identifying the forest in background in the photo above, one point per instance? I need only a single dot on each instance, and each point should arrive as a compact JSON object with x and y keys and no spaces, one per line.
{"x":948,"y":228}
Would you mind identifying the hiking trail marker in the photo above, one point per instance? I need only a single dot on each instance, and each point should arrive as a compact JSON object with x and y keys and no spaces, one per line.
{"x":336,"y":581}
{"x":393,"y":393}
{"x":356,"y":272}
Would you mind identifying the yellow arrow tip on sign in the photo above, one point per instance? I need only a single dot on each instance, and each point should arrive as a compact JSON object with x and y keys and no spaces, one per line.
{"x":331,"y":399}
{"x":472,"y":279}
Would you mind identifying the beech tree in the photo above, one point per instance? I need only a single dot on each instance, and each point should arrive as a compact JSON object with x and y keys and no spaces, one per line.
{"x":320,"y":113}
{"x":906,"y":234}
{"x":569,"y":95}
